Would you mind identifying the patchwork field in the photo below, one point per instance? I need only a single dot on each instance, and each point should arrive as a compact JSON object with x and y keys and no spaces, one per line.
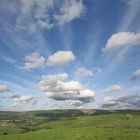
{"x":70,"y":125}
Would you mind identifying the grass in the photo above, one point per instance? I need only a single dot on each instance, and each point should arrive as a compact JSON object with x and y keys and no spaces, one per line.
{"x":108,"y":126}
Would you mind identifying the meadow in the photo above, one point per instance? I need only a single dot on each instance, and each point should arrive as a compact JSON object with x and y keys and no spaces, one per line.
{"x":71,"y":125}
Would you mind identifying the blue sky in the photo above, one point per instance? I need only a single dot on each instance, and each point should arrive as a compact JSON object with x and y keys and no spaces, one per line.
{"x":69,"y":54}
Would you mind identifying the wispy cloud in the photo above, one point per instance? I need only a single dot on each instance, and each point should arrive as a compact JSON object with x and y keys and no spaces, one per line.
{"x":83,"y":72}
{"x":8,"y":59}
{"x":128,"y":18}
{"x":135,"y":75}
{"x":126,"y":27}
{"x":112,"y":89}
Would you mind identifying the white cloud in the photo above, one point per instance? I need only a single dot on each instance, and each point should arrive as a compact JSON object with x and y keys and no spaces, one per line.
{"x":112,"y":88}
{"x":70,"y":10}
{"x":122,"y":102}
{"x":22,"y":98}
{"x":34,"y":60}
{"x":83,"y":72}
{"x":60,"y":58}
{"x":109,"y":100}
{"x":47,"y":13}
{"x":22,"y":102}
{"x":84,"y":96}
{"x":75,"y":103}
{"x":58,"y":88}
{"x":135,"y":75}
{"x":4,"y":88}
{"x":70,"y":85}
{"x":49,"y":82}
{"x":14,"y":105}
{"x":122,"y":39}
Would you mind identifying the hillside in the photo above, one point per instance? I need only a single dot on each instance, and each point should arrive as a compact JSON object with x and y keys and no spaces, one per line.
{"x":70,"y":125}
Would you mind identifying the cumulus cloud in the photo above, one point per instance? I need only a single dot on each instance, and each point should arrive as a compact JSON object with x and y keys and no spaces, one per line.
{"x":124,"y":102}
{"x":112,"y":88}
{"x":83,"y":72}
{"x":122,"y":39}
{"x":4,"y":88}
{"x":70,"y":85}
{"x":59,"y":88}
{"x":48,"y":82}
{"x":34,"y":60}
{"x":60,"y":58}
{"x":46,"y":14}
{"x":135,"y":75}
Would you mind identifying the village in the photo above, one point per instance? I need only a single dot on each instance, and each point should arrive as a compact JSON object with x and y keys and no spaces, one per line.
{"x":13,"y":122}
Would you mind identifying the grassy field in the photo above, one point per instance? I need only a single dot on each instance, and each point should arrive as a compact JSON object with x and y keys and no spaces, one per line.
{"x":71,"y":125}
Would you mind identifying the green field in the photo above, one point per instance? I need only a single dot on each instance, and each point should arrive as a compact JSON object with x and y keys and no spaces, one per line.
{"x":71,"y":125}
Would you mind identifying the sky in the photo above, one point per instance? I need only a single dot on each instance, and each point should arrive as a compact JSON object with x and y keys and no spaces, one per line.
{"x":69,"y":54}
